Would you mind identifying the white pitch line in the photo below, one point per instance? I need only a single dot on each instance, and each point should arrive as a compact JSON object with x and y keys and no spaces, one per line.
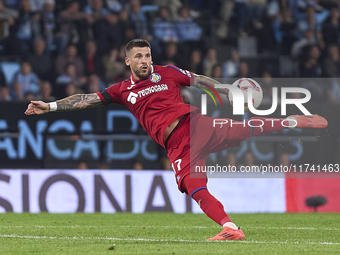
{"x":178,"y":227}
{"x":161,"y":240}
{"x":326,"y":243}
{"x":295,"y":228}
{"x":98,"y":238}
{"x":124,"y":226}
{"x":91,"y":226}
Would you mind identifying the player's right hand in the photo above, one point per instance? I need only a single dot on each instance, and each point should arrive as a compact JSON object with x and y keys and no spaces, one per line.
{"x":37,"y":107}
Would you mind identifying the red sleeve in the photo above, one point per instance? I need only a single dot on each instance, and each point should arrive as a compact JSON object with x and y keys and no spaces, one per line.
{"x":180,"y":76}
{"x":111,"y":94}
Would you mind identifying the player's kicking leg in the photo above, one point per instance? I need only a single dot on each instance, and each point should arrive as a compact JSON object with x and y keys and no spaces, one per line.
{"x":239,"y":133}
{"x":259,"y":126}
{"x":216,"y":139}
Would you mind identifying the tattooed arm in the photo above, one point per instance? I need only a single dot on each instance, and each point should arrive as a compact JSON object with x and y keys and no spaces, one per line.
{"x":201,"y":80}
{"x":71,"y":103}
{"x":78,"y":102}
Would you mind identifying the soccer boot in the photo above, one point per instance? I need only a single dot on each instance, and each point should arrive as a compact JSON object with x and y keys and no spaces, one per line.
{"x":229,"y":234}
{"x":308,"y":121}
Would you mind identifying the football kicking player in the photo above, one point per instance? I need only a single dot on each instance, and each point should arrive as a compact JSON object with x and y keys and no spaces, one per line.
{"x":153,"y":96}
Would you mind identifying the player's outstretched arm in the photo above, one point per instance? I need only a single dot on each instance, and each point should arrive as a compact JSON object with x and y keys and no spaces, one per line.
{"x":71,"y":103}
{"x":200,"y":81}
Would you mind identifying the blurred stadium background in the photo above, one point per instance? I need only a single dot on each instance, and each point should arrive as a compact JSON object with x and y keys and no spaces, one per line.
{"x":101,"y":159}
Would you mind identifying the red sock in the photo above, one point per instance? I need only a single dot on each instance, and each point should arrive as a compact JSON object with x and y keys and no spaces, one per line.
{"x":266,"y":125}
{"x":256,"y":126}
{"x":211,"y":206}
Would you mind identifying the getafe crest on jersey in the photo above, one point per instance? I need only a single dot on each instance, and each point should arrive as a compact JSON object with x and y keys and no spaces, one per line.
{"x":155,"y":77}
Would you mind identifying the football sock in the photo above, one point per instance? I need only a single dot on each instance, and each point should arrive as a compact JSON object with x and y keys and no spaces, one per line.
{"x":256,"y":126}
{"x":292,"y":122}
{"x":211,"y":206}
{"x":230,"y":225}
{"x":269,"y":125}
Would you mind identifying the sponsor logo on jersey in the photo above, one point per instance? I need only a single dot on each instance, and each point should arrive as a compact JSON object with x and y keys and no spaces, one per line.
{"x":152,"y":89}
{"x":132,"y":98}
{"x":155,"y":77}
{"x":132,"y":83}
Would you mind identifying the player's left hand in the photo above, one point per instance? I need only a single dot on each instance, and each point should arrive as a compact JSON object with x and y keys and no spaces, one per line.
{"x":37,"y":107}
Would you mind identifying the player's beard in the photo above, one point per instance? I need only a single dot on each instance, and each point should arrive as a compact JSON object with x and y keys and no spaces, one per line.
{"x":141,"y":74}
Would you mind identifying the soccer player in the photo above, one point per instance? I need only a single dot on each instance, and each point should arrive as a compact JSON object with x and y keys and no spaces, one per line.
{"x":153,"y":97}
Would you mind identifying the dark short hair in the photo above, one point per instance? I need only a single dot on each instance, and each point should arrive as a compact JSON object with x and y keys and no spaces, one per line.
{"x":136,"y":43}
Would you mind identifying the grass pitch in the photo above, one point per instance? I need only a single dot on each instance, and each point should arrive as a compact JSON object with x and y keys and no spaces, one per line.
{"x":166,"y":233}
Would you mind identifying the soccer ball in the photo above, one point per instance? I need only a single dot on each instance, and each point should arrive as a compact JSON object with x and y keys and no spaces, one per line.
{"x":245,"y":84}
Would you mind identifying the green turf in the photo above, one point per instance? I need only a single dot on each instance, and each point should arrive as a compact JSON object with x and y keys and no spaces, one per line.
{"x":166,"y":233}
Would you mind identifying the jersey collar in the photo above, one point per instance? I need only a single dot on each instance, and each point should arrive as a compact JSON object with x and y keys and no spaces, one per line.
{"x":133,"y":80}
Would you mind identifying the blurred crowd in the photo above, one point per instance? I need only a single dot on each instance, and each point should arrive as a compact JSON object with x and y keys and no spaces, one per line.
{"x":50,"y":49}
{"x":65,"y":47}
